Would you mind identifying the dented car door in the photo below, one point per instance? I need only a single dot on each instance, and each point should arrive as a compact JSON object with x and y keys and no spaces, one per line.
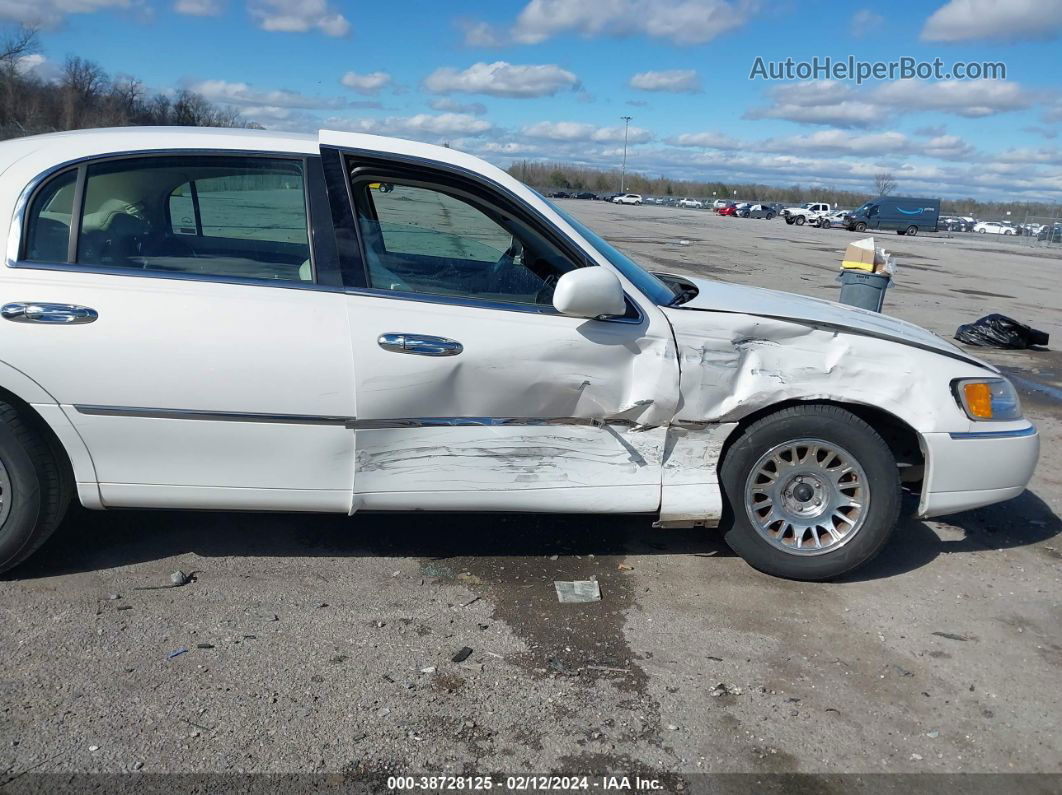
{"x":472,"y":391}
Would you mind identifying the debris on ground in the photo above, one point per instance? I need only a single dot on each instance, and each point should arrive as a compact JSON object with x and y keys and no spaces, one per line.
{"x":952,"y":636}
{"x":722,"y":689}
{"x":1000,"y":331}
{"x":462,"y":655}
{"x":177,"y":579}
{"x":177,"y":653}
{"x":575,"y":591}
{"x":625,"y":567}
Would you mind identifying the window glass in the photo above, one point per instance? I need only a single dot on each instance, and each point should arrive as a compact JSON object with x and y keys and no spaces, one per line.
{"x":249,"y":221}
{"x":48,"y":221}
{"x":428,"y":240}
{"x":182,"y":210}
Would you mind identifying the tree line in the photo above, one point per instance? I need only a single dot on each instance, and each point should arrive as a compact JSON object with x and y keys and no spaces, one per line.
{"x":548,"y":177}
{"x":83,"y":95}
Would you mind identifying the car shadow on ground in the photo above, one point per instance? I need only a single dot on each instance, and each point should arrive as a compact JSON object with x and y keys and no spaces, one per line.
{"x":96,"y":540}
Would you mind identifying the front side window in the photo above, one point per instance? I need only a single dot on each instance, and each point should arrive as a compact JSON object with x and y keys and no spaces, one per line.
{"x":229,"y":217}
{"x":426,"y":239}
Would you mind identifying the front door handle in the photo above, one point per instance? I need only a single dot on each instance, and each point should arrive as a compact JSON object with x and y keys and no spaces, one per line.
{"x":52,"y":314}
{"x":419,"y":344}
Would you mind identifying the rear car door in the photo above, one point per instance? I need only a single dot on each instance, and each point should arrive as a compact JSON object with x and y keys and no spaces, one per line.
{"x":174,"y":306}
{"x":473,"y":391}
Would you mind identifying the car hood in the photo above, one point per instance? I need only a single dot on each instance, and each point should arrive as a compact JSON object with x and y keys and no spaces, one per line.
{"x":716,"y":296}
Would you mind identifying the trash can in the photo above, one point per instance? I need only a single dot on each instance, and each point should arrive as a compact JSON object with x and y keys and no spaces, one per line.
{"x":864,"y":289}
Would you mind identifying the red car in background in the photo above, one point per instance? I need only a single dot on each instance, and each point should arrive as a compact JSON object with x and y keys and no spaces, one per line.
{"x":728,"y":209}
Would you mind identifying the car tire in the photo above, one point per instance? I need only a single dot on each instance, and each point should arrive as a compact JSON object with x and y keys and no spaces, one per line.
{"x":769,"y":216}
{"x":911,"y":231}
{"x":799,"y":220}
{"x":824,"y":224}
{"x":982,"y":231}
{"x":860,"y":227}
{"x":34,"y":489}
{"x":828,"y":437}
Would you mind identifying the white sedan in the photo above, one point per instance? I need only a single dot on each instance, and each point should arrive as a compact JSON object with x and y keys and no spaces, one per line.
{"x":993,"y":228}
{"x":627,"y":198}
{"x":245,"y":320}
{"x":692,"y":204}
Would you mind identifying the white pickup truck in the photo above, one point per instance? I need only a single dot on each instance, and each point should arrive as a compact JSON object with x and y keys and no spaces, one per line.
{"x":805,"y":213}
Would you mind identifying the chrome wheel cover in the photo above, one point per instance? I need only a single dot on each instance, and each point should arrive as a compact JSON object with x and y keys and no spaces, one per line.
{"x":807,"y":496}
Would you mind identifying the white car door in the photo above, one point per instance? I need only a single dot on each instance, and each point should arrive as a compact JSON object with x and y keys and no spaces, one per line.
{"x":183,"y":327}
{"x":472,"y":391}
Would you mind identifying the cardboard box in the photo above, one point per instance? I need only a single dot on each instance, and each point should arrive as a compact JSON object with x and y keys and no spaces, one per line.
{"x":861,"y":255}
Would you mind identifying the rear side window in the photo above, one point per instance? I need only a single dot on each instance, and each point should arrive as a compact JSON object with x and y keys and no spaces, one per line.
{"x":48,"y":222}
{"x":229,"y":217}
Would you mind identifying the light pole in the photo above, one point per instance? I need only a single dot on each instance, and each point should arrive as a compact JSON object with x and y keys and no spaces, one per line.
{"x":623,"y":168}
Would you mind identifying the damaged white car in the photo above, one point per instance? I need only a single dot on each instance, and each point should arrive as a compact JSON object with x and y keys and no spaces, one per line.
{"x":242,"y":320}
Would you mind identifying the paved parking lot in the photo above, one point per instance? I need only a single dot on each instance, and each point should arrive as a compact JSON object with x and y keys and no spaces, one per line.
{"x":326,"y":643}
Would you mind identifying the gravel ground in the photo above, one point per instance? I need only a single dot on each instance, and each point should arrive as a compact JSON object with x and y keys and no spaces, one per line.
{"x":325,"y":644}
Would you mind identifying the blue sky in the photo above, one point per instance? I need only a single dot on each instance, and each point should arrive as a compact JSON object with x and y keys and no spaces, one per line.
{"x":549,"y":79}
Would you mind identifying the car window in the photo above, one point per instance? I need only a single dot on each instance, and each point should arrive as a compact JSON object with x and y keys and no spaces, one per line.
{"x":48,"y":222}
{"x":425,"y":239}
{"x":228,"y":217}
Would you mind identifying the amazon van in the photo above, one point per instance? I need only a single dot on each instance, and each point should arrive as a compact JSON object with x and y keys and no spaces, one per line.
{"x":908,"y":216}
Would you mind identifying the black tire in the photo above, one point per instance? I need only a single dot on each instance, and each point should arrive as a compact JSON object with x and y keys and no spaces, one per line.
{"x":769,"y":216}
{"x":912,"y":231}
{"x":789,"y":220}
{"x":836,"y":427}
{"x":861,"y":227}
{"x":799,"y":220}
{"x":824,"y":223}
{"x":40,"y":488}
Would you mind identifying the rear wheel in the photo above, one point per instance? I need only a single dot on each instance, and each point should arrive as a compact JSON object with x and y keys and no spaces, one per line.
{"x":34,"y":489}
{"x":813,"y":491}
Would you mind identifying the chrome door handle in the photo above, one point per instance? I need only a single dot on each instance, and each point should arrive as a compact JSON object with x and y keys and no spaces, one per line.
{"x":419,"y":344}
{"x":52,"y":314}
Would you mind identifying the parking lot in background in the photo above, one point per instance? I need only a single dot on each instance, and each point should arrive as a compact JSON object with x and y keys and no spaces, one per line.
{"x":326,"y":643}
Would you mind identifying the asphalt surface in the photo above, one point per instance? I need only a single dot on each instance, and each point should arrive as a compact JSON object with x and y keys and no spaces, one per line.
{"x":326,"y":644}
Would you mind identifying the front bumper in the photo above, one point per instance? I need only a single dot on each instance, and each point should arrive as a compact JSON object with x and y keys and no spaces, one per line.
{"x":970,"y":470}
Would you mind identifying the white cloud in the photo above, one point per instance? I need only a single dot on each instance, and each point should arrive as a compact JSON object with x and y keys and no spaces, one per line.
{"x":481,"y":34}
{"x":675,"y":80}
{"x":50,"y":13}
{"x":865,"y":22}
{"x":453,"y":106}
{"x":39,"y":66}
{"x":422,"y":125}
{"x":710,"y":140}
{"x":298,"y":16}
{"x":837,"y":104}
{"x":1014,"y":20}
{"x":199,"y":8}
{"x":501,"y":79}
{"x":244,"y":95}
{"x":369,"y":83}
{"x":678,"y":21}
{"x":581,"y":131}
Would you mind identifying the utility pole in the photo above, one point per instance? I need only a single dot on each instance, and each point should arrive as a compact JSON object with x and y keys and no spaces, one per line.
{"x":623,"y":168}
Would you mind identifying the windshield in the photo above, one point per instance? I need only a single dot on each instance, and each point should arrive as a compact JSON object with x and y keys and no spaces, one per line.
{"x":650,"y":286}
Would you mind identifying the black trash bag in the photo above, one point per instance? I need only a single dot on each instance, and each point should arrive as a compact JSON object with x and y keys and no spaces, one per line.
{"x":1000,"y":331}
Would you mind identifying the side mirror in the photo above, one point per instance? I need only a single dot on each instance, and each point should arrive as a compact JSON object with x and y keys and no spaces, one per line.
{"x":592,"y":291}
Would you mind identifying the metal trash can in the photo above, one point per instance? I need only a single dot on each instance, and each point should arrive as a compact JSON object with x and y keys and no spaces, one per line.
{"x":864,"y":289}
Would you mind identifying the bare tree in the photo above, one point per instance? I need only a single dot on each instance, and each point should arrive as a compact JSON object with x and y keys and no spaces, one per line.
{"x":17,"y":44}
{"x":884,"y":183}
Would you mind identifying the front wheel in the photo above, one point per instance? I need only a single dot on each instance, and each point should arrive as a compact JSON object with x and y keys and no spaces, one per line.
{"x":824,"y":224}
{"x":861,"y":227}
{"x":799,"y":220}
{"x":769,"y":216}
{"x":813,"y":492}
